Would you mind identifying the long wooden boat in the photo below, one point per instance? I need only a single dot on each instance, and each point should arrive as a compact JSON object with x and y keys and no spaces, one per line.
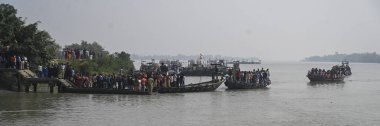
{"x":198,"y":87}
{"x":201,"y":72}
{"x":102,"y":91}
{"x":321,"y":78}
{"x":245,"y":85}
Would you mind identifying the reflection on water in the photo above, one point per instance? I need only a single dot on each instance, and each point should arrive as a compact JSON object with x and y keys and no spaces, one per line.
{"x":247,"y":90}
{"x":324,"y":82}
{"x":338,"y":84}
{"x":290,"y":100}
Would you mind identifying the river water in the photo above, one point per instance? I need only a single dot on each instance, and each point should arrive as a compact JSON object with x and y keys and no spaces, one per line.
{"x":289,"y":100}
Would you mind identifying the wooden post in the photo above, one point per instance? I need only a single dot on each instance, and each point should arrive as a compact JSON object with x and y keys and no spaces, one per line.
{"x":18,"y":87}
{"x":18,"y":84}
{"x":51,"y":85}
{"x":34,"y":87}
{"x":59,"y":87}
{"x":26,"y":87}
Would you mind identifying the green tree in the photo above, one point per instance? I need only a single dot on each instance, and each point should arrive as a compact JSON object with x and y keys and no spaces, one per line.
{"x":25,"y":39}
{"x":124,"y":61}
{"x":94,"y":47}
{"x":103,"y":62}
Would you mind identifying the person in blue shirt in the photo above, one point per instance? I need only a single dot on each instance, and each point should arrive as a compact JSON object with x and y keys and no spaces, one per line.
{"x":18,"y":62}
{"x":45,"y":71}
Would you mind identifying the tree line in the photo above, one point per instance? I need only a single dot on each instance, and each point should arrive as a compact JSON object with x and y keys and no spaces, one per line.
{"x":103,"y":61}
{"x":19,"y":38}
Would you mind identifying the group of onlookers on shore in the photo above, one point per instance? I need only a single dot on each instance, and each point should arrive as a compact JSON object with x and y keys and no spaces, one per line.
{"x":255,"y":76}
{"x":72,"y":54}
{"x":13,"y":61}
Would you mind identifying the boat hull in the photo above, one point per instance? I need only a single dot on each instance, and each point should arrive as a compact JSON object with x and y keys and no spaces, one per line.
{"x":244,"y":85}
{"x":323,"y":79}
{"x":199,"y":87}
{"x":102,"y":91}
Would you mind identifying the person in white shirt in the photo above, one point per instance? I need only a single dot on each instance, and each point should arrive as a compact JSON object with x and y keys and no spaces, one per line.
{"x":39,"y":71}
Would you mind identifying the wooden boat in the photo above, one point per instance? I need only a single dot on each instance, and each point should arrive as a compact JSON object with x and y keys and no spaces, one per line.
{"x":321,"y":78}
{"x":244,"y":85}
{"x":102,"y":91}
{"x":344,"y":71}
{"x":246,"y":62}
{"x":198,"y":87}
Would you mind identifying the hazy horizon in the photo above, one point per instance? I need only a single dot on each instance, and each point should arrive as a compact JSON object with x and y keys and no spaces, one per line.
{"x":271,"y":30}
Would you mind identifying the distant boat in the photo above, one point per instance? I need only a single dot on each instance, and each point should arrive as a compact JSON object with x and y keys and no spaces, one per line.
{"x":246,"y":62}
{"x":250,"y":62}
{"x":234,"y":83}
{"x":198,"y":68}
{"x":337,"y":73}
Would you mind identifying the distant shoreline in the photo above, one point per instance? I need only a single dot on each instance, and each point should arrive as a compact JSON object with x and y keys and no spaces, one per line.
{"x":336,"y":62}
{"x":355,"y":58}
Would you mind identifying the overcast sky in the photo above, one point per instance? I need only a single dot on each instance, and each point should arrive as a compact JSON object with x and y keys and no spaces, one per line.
{"x":276,"y":30}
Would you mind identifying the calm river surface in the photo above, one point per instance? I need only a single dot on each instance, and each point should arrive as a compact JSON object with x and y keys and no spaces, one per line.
{"x":289,"y":100}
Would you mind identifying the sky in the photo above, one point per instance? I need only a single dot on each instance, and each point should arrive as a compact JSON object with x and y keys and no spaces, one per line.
{"x":272,"y":30}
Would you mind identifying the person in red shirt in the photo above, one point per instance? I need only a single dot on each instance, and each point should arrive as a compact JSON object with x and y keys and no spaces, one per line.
{"x":13,"y":61}
{"x":69,"y":55}
{"x":143,"y":83}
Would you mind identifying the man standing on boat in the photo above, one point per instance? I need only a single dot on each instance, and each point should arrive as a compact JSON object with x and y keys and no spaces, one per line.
{"x":182,"y":80}
{"x":163,"y":68}
{"x":150,"y":84}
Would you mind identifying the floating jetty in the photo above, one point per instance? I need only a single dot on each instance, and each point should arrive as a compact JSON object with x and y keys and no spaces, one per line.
{"x":23,"y":80}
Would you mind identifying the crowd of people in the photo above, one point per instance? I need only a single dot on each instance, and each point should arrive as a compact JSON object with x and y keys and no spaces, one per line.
{"x":328,"y":74}
{"x":255,"y":76}
{"x":344,"y":68}
{"x":335,"y":72}
{"x":51,"y":71}
{"x":137,"y":81}
{"x":72,"y":54}
{"x":14,"y":61}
